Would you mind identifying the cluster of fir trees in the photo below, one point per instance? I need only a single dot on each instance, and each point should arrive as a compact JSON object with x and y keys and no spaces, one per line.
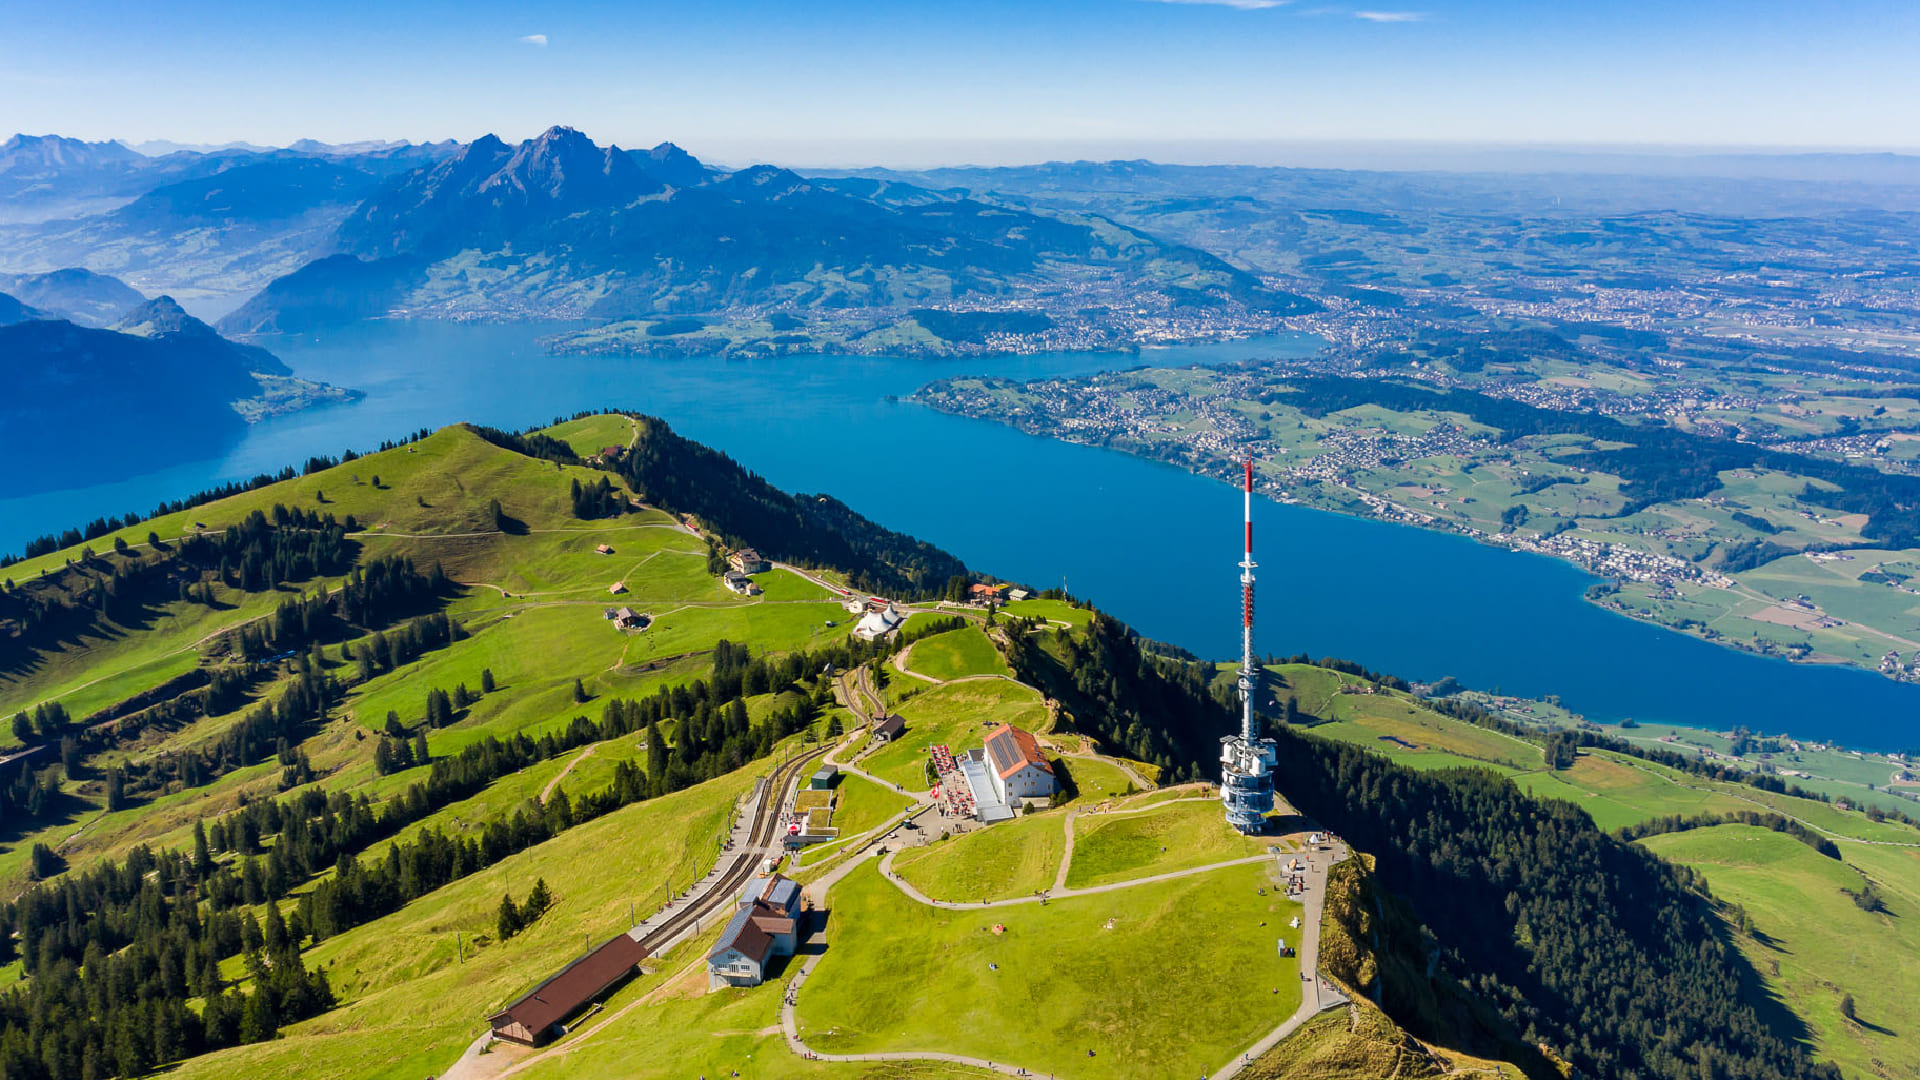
{"x":29,"y":794}
{"x":385,"y":651}
{"x":112,"y":957}
{"x":599,"y":499}
{"x":372,"y":596}
{"x":254,"y":555}
{"x":49,"y":719}
{"x":270,"y":728}
{"x":211,"y":692}
{"x":514,"y":918}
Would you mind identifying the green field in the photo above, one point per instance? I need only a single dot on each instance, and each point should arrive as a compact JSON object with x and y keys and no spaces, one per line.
{"x":1013,"y":858}
{"x":1095,"y":779}
{"x":1168,"y":837}
{"x":1079,"y":974}
{"x":957,"y":654}
{"x":957,"y":715}
{"x":862,"y":805}
{"x":1053,"y":611}
{"x":591,"y":434}
{"x":1814,"y":946}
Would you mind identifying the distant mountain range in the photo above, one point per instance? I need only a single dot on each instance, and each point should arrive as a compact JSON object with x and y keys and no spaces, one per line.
{"x":559,"y":226}
{"x":81,"y":404}
{"x":210,"y":228}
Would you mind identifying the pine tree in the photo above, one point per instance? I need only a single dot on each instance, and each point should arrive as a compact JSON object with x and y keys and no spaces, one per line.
{"x":579,"y":692}
{"x":420,"y":749}
{"x":508,"y":922}
{"x":539,"y":900}
{"x":486,"y":680}
{"x":202,"y":854}
{"x":656,"y":755}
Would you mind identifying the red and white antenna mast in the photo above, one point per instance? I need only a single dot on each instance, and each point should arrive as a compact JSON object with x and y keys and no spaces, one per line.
{"x":1246,"y":759}
{"x":1249,"y":671}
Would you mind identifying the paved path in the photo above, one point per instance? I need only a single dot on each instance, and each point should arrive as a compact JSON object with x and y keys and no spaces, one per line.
{"x":1316,"y":993}
{"x":900,"y":665}
{"x":886,"y":871}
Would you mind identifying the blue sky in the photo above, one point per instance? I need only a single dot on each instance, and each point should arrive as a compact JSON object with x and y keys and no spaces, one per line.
{"x":832,"y":81}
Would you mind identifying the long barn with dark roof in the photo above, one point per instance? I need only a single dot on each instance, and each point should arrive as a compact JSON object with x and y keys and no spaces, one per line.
{"x":538,"y":1017}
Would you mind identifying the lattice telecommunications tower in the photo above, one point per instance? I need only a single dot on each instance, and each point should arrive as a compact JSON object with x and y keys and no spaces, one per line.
{"x":1246,"y":759}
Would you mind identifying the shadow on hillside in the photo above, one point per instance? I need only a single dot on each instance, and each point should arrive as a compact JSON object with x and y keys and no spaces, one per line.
{"x":1774,"y":1013}
{"x":65,"y":810}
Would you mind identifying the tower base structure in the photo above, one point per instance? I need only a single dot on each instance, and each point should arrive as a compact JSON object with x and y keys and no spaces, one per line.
{"x":1246,"y":781}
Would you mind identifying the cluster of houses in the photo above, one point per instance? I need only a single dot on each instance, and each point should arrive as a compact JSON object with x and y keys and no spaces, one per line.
{"x":741,"y":566}
{"x":999,"y":593}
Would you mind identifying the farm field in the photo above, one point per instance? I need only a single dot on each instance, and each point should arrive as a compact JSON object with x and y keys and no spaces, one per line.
{"x":1094,"y":779}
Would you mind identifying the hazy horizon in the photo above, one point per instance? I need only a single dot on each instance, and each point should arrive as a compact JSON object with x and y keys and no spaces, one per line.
{"x":809,"y":83}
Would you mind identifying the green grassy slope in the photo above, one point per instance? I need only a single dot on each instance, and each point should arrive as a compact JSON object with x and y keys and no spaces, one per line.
{"x":1814,"y":945}
{"x":409,"y":1004}
{"x":1084,"y":973}
{"x":957,"y":654}
{"x":1012,"y":859}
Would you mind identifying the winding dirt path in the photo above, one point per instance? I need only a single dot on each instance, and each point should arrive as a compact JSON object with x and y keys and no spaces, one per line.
{"x":553,"y":784}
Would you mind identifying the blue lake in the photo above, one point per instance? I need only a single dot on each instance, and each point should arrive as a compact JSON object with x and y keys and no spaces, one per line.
{"x":1151,"y":544}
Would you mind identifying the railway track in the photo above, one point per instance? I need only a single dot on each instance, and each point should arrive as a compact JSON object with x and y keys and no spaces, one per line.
{"x":744,"y":861}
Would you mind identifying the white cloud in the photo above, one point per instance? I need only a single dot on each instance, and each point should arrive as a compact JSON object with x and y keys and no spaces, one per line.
{"x":1238,"y":5}
{"x":1391,"y":16}
{"x":538,"y":41}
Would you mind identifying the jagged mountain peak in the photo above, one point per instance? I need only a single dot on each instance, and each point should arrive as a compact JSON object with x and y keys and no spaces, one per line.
{"x":61,"y":152}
